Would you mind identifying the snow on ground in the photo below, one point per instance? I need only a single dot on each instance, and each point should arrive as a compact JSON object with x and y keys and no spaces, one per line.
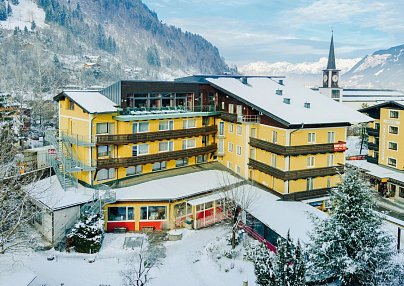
{"x":353,"y":143}
{"x":23,"y":14}
{"x":197,"y":259}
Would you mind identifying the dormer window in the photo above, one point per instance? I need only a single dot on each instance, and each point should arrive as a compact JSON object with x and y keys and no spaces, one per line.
{"x":286,"y":100}
{"x":279,"y":92}
{"x":281,"y":81}
{"x":307,"y":104}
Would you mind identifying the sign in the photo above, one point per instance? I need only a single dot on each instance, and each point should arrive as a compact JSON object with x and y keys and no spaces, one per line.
{"x":52,"y":152}
{"x":357,"y":157}
{"x":340,"y":146}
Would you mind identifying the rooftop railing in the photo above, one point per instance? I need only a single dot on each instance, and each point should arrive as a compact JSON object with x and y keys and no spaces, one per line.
{"x":166,"y":110}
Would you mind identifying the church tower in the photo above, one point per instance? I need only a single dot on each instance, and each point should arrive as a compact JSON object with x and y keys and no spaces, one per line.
{"x":331,"y":76}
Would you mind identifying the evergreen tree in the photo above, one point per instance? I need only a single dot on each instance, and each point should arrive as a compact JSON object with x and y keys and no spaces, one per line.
{"x":284,"y":261}
{"x":33,"y":26}
{"x":3,"y":11}
{"x":263,"y":267}
{"x":350,"y":245}
{"x":9,"y":10}
{"x":25,"y":30}
{"x":298,"y":267}
{"x":15,"y":2}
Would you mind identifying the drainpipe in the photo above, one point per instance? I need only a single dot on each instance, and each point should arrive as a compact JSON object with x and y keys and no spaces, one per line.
{"x":91,"y":150}
{"x":290,"y":141}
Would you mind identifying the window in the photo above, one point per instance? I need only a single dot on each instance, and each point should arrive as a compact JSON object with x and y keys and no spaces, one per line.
{"x":140,"y":149}
{"x":220,"y":148}
{"x":231,"y":108}
{"x":222,"y":105}
{"x":71,"y":105}
{"x":331,"y":137}
{"x":330,"y":160}
{"x":238,"y":150}
{"x":239,"y":110}
{"x":335,"y":94}
{"x":159,"y":166}
{"x":189,"y":123}
{"x":181,"y":162}
{"x":328,"y":182}
{"x":139,"y":127}
{"x":310,"y":161}
{"x":309,"y":184}
{"x":392,"y":145}
{"x":393,"y":114}
{"x":104,"y":151}
{"x":401,"y":192}
{"x":311,"y":137}
{"x":229,"y":165}
{"x":238,"y":169}
{"x":166,"y":146}
{"x":239,"y":129}
{"x":134,"y":170}
{"x":121,"y":213}
{"x":221,"y":128}
{"x":273,"y":160}
{"x":188,"y":143}
{"x":104,"y":128}
{"x":377,"y":125}
{"x":153,"y":213}
{"x":231,"y":127}
{"x":230,"y":147}
{"x":201,"y":159}
{"x":393,"y":129}
{"x":392,"y":162}
{"x":106,"y":174}
{"x":166,"y":125}
{"x":274,"y":136}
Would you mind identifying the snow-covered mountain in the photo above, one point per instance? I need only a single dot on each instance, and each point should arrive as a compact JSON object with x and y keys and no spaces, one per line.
{"x":382,"y":69}
{"x":308,"y":73}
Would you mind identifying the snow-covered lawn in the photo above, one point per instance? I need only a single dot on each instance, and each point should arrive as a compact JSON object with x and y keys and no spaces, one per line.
{"x":23,"y":14}
{"x":196,"y":259}
{"x":353,"y":143}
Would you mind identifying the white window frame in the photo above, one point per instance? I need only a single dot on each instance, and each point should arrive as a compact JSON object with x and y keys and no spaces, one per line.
{"x":311,"y":161}
{"x":221,"y":128}
{"x":170,"y":125}
{"x":330,"y":160}
{"x":138,"y":147}
{"x":110,"y":174}
{"x":239,"y":150}
{"x":230,"y":147}
{"x":220,"y":146}
{"x":231,"y":108}
{"x":231,"y":127}
{"x":137,"y":170}
{"x":186,"y":123}
{"x":273,"y":160}
{"x":309,"y":184}
{"x":147,"y":212}
{"x":274,"y":136}
{"x":393,"y":143}
{"x":394,"y":111}
{"x":109,"y":125}
{"x":136,"y":129}
{"x":238,"y":169}
{"x":186,"y":143}
{"x":169,"y":147}
{"x":229,"y":165}
{"x":391,"y":158}
{"x":311,"y":137}
{"x":332,"y":133}
{"x":239,"y":130}
{"x":398,"y":131}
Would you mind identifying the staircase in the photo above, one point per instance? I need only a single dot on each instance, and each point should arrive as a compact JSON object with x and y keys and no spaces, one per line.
{"x":102,"y":196}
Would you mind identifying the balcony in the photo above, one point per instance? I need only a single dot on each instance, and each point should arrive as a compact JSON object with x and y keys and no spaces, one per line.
{"x":154,"y":136}
{"x":295,"y":175}
{"x":305,"y":195}
{"x":235,"y":118}
{"x":373,"y":131}
{"x":159,"y":157}
{"x":373,"y":146}
{"x":295,"y":150}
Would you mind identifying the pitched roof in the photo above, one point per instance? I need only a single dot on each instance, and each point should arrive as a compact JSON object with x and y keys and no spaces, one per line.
{"x":331,"y":56}
{"x":398,"y":104}
{"x":261,"y":94}
{"x":90,"y":101}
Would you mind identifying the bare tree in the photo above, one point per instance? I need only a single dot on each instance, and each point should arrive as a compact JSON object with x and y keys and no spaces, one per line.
{"x":238,"y":198}
{"x":140,"y":264}
{"x":16,"y":208}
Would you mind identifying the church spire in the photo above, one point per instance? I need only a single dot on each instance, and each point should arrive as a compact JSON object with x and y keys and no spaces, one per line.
{"x":331,"y":55}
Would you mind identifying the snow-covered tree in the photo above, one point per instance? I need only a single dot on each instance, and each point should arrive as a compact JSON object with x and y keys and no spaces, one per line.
{"x":263,"y":266}
{"x":350,"y":245}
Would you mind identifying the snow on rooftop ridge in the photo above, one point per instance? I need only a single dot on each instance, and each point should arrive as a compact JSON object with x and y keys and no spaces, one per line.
{"x":92,"y":101}
{"x":261,"y":92}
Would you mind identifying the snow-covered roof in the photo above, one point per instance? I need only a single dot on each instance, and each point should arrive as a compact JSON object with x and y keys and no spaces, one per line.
{"x":50,"y":193}
{"x":369,"y":93}
{"x":371,"y":99}
{"x":377,"y":170}
{"x":176,"y":187}
{"x":91,"y":101}
{"x":282,"y":216}
{"x":206,"y":199}
{"x":261,"y":93}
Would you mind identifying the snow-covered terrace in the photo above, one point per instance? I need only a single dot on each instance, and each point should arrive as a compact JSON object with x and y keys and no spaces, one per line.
{"x":377,"y":171}
{"x":177,"y":187}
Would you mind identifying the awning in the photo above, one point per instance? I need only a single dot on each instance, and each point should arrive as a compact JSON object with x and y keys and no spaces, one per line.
{"x":205,"y":199}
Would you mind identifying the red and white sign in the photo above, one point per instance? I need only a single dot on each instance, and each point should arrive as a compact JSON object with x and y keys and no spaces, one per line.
{"x":340,"y":146}
{"x":51,"y":151}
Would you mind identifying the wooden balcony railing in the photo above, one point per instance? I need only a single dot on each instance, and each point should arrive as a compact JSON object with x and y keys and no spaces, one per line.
{"x":373,"y":146}
{"x":295,"y":150}
{"x":230,"y":117}
{"x":295,"y":175}
{"x":305,"y":195}
{"x":153,"y":136}
{"x":371,"y":159}
{"x":235,"y":118}
{"x":373,"y":131}
{"x":159,"y":157}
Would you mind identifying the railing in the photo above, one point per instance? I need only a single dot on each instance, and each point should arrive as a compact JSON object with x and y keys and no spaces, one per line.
{"x":373,"y":131}
{"x":153,"y":136}
{"x":75,"y":139}
{"x":159,"y":157}
{"x":298,"y":174}
{"x":293,"y":150}
{"x":167,"y":110}
{"x":373,"y":146}
{"x":311,"y":194}
{"x":230,"y":117}
{"x":236,"y":118}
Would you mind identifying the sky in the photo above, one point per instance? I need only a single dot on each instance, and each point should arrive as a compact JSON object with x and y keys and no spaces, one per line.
{"x":295,"y":31}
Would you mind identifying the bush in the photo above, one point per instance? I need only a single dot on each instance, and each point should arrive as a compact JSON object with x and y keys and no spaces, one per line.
{"x":86,"y":235}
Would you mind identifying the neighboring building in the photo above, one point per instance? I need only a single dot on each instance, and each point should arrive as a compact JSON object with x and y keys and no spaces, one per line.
{"x":356,"y":98}
{"x":386,"y":148}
